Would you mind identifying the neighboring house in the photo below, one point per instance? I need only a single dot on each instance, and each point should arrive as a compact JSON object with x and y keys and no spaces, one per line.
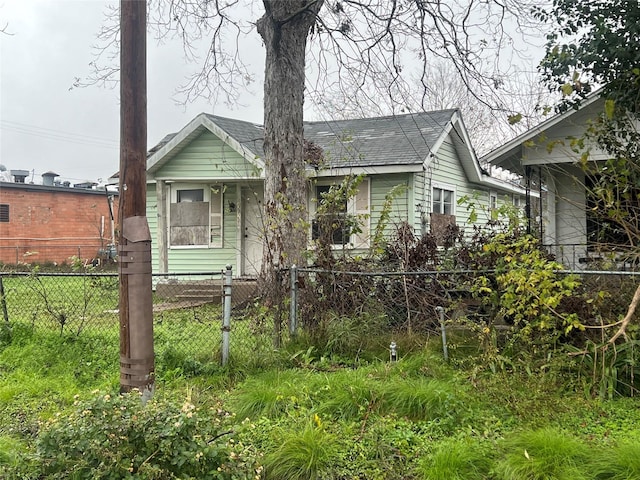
{"x":50,"y":223}
{"x":205,"y":184}
{"x":546,"y":158}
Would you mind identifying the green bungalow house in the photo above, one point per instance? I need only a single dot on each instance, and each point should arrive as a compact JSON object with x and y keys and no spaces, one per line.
{"x":205,"y":183}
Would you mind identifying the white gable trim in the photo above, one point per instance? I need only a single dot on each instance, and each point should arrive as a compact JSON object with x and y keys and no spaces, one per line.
{"x":433,"y":151}
{"x":233,"y":143}
{"x":511,"y":148}
{"x":159,"y":158}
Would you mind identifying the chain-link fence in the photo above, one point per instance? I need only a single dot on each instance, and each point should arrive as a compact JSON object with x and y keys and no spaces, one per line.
{"x":344,"y":305}
{"x":43,"y":253}
{"x":404,"y":301}
{"x":188,"y":312}
{"x":193,"y":326}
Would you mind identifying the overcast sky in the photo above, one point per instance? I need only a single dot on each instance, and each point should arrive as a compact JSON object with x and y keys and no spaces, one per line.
{"x":75,"y":133}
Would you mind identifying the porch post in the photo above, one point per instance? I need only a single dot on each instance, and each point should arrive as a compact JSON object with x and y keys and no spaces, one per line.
{"x":527,"y":180}
{"x":161,"y":234}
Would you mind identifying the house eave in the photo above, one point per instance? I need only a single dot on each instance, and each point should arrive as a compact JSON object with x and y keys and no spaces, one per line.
{"x":505,"y":187}
{"x":218,"y":179}
{"x":509,"y":155}
{"x":366,"y":170}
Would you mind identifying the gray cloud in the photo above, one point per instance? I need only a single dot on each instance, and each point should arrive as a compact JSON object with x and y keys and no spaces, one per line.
{"x":46,"y":126}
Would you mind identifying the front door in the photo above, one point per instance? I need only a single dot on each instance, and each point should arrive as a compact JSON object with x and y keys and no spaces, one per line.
{"x":252,"y":229}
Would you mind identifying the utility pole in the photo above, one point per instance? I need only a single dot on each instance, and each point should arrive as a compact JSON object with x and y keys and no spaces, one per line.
{"x":134,"y":249}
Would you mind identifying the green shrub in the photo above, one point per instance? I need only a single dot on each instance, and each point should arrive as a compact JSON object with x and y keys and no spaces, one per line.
{"x":544,"y":454}
{"x":119,"y":437}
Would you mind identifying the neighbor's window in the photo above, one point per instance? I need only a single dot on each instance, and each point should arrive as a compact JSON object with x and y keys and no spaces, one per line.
{"x":196,"y":217}
{"x":493,"y":200}
{"x":517,"y":201}
{"x":4,"y":212}
{"x":443,"y":200}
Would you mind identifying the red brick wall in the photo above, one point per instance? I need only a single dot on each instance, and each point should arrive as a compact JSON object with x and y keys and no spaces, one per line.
{"x":51,"y":224}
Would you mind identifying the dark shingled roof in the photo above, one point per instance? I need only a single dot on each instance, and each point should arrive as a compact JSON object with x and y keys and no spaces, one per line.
{"x":392,"y":140}
{"x":249,"y":135}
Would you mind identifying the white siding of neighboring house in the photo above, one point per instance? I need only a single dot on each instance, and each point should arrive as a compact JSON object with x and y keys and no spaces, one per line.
{"x":566,"y":221}
{"x":564,"y":218}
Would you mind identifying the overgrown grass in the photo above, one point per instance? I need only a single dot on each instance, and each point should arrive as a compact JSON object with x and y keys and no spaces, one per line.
{"x":543,"y":454}
{"x":622,"y":462}
{"x":457,"y":459}
{"x":317,"y":414}
{"x":301,"y":454}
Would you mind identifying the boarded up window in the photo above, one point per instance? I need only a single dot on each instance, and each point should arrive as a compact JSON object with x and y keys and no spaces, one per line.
{"x":4,"y":212}
{"x":443,"y":227}
{"x":189,"y":223}
{"x":196,"y":217}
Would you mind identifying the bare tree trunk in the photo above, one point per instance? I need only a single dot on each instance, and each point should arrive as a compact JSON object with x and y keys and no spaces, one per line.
{"x":622,"y":331}
{"x":284,"y":28}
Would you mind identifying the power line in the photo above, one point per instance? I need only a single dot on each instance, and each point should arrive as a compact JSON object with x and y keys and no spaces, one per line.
{"x":58,"y":135}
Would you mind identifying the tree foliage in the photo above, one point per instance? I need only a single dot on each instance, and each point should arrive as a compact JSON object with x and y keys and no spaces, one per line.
{"x":594,"y":44}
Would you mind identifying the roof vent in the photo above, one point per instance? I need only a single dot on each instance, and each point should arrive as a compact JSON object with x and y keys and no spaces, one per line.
{"x":19,"y":176}
{"x":86,"y":185}
{"x":47,"y":178}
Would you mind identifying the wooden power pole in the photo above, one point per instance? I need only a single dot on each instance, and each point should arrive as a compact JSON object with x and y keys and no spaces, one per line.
{"x":134,"y":249}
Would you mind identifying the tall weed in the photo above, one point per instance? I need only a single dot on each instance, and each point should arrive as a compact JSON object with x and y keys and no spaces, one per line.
{"x":305,"y":454}
{"x":543,"y":455}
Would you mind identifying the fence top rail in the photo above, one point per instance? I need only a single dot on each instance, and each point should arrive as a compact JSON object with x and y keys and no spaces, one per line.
{"x":453,"y":272}
{"x":171,"y":276}
{"x":599,"y":272}
{"x":395,"y":273}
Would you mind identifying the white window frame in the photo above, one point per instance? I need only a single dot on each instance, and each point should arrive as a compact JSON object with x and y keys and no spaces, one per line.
{"x":493,"y":200}
{"x":516,"y":200}
{"x":208,"y":194}
{"x":352,"y":209}
{"x":444,"y":187}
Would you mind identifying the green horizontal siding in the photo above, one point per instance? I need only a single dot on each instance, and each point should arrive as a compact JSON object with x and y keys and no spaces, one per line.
{"x":448,"y":170}
{"x":400,"y":212}
{"x":194,"y":259}
{"x":207,"y":157}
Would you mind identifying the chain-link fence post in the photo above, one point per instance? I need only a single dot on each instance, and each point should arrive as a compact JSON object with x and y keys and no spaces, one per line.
{"x":293,"y":312}
{"x":226,"y":320}
{"x":3,"y":302}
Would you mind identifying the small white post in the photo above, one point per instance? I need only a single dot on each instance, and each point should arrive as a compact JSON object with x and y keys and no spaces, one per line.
{"x":226,"y":319}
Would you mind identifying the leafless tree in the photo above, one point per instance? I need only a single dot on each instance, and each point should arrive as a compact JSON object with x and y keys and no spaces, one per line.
{"x":523,"y":103}
{"x":378,"y":46}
